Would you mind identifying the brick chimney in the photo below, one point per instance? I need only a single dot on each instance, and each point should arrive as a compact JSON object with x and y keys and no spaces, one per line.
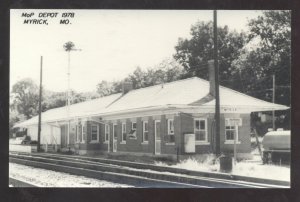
{"x":211,"y":76}
{"x":126,"y":87}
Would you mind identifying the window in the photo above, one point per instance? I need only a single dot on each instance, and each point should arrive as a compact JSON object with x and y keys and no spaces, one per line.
{"x":133,"y":126}
{"x":169,"y":138}
{"x":231,"y":130}
{"x":115,"y":132}
{"x":124,"y":132}
{"x":94,"y":133}
{"x":200,"y":129}
{"x":132,"y":133}
{"x":106,"y":132}
{"x":145,"y":131}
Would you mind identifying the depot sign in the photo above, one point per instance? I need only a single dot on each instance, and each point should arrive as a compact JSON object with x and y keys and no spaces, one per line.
{"x":234,"y":122}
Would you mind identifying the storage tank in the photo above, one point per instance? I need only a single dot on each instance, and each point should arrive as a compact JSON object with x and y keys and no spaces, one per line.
{"x":277,"y":140}
{"x":277,"y":147}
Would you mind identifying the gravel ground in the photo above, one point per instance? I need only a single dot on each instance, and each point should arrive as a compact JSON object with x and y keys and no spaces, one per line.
{"x":48,"y":178}
{"x":243,"y":168}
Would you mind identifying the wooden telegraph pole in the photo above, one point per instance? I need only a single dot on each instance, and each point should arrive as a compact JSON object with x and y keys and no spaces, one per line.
{"x":217,"y":113}
{"x":40,"y":108}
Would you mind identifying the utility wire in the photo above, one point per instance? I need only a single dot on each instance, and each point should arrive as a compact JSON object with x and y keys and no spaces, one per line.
{"x":256,"y":81}
{"x":205,"y":68}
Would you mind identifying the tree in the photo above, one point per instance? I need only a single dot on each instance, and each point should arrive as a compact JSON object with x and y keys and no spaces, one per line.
{"x":77,"y":97}
{"x":89,"y":95}
{"x":25,"y":97}
{"x":194,"y":53}
{"x":105,"y":88}
{"x":138,"y":78}
{"x":269,"y":53}
{"x":59,"y":99}
{"x":53,"y":100}
{"x":168,"y":70}
{"x":14,"y":117}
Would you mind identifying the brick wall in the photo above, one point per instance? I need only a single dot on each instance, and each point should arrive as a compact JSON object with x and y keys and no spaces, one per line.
{"x":149,"y":148}
{"x":187,"y":126}
{"x":183,"y":123}
{"x":87,"y":145}
{"x":243,"y":134}
{"x":96,"y":145}
{"x":166,"y":147}
{"x":137,"y":144}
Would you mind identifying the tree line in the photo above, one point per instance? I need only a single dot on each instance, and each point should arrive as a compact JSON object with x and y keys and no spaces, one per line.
{"x":247,"y":61}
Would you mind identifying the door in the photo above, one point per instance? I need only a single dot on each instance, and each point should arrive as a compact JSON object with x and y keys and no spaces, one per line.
{"x":64,"y":137}
{"x":115,"y":138}
{"x":157,"y":138}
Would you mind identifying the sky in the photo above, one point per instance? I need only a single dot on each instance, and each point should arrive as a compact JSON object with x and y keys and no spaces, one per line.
{"x":111,"y":43}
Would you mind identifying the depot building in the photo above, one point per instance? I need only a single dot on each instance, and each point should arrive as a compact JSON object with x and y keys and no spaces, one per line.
{"x":175,"y":118}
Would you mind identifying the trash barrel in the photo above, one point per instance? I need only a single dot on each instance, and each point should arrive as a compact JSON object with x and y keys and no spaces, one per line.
{"x":225,"y":164}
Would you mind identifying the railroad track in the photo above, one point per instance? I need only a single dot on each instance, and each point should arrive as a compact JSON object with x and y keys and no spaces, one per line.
{"x":139,"y":174}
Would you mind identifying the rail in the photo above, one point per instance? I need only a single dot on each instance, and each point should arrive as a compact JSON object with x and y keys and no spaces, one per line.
{"x":101,"y":167}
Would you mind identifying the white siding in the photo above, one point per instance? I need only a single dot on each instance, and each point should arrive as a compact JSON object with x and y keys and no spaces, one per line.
{"x":49,"y":134}
{"x":32,"y":131}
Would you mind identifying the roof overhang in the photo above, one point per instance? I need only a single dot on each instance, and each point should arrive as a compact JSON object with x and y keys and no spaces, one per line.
{"x":245,"y":108}
{"x":165,"y":109}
